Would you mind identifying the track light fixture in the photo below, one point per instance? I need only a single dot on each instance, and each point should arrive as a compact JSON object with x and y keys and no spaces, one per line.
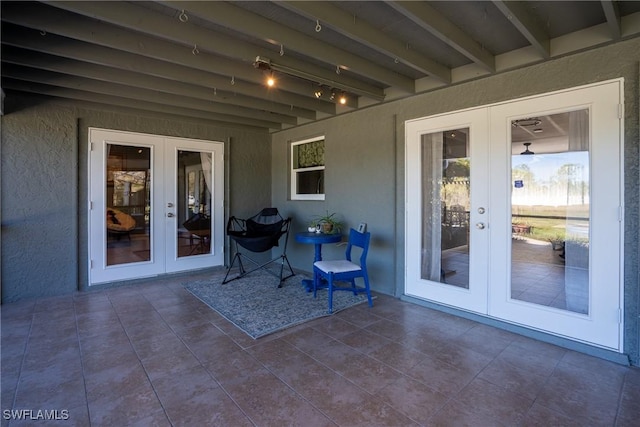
{"x":265,"y":64}
{"x":334,"y":94}
{"x":271,"y":81}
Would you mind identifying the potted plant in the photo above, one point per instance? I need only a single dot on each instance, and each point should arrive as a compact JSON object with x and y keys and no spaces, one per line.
{"x":329,"y":223}
{"x":520,"y":227}
{"x":557,"y":242}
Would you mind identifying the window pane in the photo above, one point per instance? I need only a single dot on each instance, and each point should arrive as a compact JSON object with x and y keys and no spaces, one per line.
{"x":307,"y":170}
{"x":194,"y":203}
{"x":310,"y":182}
{"x":309,"y":154}
{"x":445,"y":207}
{"x":128,"y":208}
{"x":550,"y":211}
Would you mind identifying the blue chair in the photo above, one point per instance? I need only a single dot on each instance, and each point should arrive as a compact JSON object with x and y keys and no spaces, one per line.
{"x":345,"y":270}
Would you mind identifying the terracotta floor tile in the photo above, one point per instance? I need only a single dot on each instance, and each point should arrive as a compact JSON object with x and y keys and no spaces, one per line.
{"x":442,"y":376}
{"x":364,"y":341}
{"x":125,"y":409}
{"x":414,"y":399}
{"x":399,"y":356}
{"x":151,"y":354}
{"x":513,"y":378}
{"x":494,"y":402}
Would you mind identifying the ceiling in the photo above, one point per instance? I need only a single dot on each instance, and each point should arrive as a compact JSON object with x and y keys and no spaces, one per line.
{"x":198,"y":59}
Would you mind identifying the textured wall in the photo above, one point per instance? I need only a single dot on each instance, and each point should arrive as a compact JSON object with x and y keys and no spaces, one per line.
{"x":359,"y":186}
{"x":365,"y":160}
{"x":39,"y":183}
{"x":45,"y":185}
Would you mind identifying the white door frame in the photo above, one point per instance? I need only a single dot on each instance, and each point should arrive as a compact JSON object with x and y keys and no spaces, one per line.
{"x":163,"y":237}
{"x":216,"y":257}
{"x":603,"y":101}
{"x":475,"y":298}
{"x":603,"y":326}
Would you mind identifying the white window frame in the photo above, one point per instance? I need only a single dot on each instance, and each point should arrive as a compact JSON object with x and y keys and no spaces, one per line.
{"x":295,"y":171}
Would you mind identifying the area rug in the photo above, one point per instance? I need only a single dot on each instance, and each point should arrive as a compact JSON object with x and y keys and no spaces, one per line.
{"x":256,"y":305}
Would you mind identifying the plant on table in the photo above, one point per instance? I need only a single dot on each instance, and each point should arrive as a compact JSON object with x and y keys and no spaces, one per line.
{"x":330,"y":222}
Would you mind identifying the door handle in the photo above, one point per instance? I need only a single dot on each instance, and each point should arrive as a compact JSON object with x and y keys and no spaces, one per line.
{"x":170,"y":215}
{"x":480,"y":225}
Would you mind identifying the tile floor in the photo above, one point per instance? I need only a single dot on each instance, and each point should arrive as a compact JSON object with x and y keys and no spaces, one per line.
{"x":151,"y":354}
{"x":539,"y":275}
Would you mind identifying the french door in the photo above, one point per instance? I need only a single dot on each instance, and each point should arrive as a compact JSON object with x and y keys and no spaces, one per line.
{"x":156,"y":205}
{"x":446,"y":235}
{"x":514,"y":211}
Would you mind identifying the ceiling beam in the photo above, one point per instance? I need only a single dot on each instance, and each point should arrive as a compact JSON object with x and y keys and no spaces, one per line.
{"x":229,"y":113}
{"x":235,"y":17}
{"x":93,"y":99}
{"x":519,"y":16}
{"x":14,"y":55}
{"x":56,"y":21}
{"x":612,"y":13}
{"x":437,"y":24}
{"x":27,"y":38}
{"x":344,"y":23}
{"x":140,"y":19}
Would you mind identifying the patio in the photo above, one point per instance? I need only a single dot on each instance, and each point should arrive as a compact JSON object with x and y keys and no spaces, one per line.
{"x":152,"y":354}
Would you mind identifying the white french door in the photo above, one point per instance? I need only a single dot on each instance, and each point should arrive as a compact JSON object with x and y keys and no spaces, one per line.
{"x":538,"y":193}
{"x":447,"y":200}
{"x":156,"y":205}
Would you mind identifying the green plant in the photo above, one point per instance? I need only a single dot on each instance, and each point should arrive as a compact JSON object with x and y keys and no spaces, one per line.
{"x":556,"y":238}
{"x":330,"y":222}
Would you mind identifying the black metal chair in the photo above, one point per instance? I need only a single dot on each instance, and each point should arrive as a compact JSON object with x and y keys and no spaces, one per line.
{"x":260,"y":233}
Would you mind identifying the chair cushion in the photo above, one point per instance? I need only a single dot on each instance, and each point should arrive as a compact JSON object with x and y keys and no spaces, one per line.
{"x":119,"y":221}
{"x":338,"y":266}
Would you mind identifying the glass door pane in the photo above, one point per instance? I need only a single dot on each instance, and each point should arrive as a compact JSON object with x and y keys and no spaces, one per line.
{"x":194,"y":203}
{"x":446,"y":206}
{"x":128,"y":195}
{"x":550,"y":210}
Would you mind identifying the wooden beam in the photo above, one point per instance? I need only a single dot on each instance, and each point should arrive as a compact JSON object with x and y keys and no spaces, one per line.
{"x":143,"y":20}
{"x":13,"y":55}
{"x":55,"y":21}
{"x":232,"y":16}
{"x":524,"y":22}
{"x":230,"y":113}
{"x":437,"y":24}
{"x":88,"y":98}
{"x":612,"y":13}
{"x":344,"y":23}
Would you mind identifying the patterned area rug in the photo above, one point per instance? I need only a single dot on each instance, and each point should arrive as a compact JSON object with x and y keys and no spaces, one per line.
{"x":256,"y":305}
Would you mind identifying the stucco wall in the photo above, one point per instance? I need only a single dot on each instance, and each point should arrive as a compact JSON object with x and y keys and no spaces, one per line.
{"x":44,"y":185}
{"x":364,"y":157}
{"x":39,"y":186}
{"x":359,"y":180}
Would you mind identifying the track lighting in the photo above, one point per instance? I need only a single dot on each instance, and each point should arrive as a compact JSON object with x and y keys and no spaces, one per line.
{"x":265,"y":64}
{"x":342,"y":99}
{"x":318,"y":93}
{"x":333,"y":95}
{"x":271,"y":81}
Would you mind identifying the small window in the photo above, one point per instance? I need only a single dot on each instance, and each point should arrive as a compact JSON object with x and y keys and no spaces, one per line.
{"x":307,"y":169}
